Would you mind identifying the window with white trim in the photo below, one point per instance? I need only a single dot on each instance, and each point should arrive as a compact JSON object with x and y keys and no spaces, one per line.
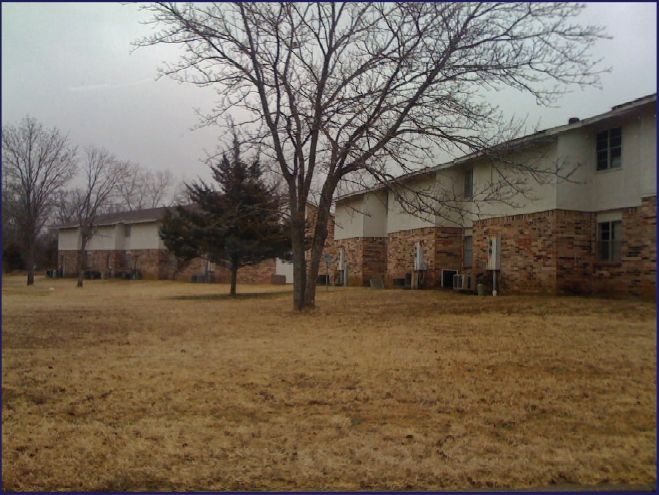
{"x":609,"y":241}
{"x":609,"y":149}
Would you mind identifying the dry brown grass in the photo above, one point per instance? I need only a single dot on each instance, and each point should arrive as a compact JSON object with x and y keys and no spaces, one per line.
{"x":126,"y":386}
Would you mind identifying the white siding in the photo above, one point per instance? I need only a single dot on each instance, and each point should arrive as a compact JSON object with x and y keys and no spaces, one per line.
{"x":284,"y":268}
{"x":537,"y":195}
{"x":348,"y":218}
{"x":143,"y":236}
{"x":375,"y":214}
{"x":592,"y":190}
{"x":119,"y":236}
{"x":577,"y":149}
{"x":103,"y":240}
{"x":449,"y":186}
{"x":398,"y":220}
{"x":648,"y":154}
{"x":68,"y":240}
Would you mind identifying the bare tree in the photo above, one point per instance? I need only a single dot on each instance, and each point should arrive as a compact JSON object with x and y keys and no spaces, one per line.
{"x":346,"y":91}
{"x":102,"y":172}
{"x":141,"y":188}
{"x":36,"y":163}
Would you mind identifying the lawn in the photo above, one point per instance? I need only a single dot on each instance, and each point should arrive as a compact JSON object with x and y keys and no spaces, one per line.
{"x":158,"y":385}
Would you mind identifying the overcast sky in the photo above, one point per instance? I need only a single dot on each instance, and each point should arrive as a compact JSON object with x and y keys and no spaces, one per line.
{"x":69,"y":65}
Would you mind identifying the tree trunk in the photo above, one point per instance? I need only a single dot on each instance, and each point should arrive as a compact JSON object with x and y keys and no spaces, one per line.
{"x":234,"y":278}
{"x":81,"y":261}
{"x":299,"y":261}
{"x":317,"y":246}
{"x":81,"y":273}
{"x":30,"y":263}
{"x":319,"y":237}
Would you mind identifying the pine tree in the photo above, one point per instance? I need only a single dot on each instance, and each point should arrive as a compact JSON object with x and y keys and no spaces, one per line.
{"x":236,"y":226}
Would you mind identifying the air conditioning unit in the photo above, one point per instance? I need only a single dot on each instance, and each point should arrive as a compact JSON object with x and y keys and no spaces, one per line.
{"x":342,"y":259}
{"x":493,"y":253}
{"x":418,"y":258}
{"x":462,"y":282}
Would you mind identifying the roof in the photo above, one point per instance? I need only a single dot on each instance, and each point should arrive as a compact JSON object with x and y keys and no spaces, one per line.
{"x":125,"y":217}
{"x":616,"y":111}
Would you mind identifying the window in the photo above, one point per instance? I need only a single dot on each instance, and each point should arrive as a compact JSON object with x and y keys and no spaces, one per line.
{"x":89,"y":260}
{"x":128,"y":261}
{"x":468,"y":249}
{"x":609,"y":149}
{"x":127,"y":230}
{"x":609,"y":241}
{"x":468,"y":192}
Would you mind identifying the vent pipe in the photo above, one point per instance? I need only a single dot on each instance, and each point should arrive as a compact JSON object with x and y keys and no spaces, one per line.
{"x":573,"y":120}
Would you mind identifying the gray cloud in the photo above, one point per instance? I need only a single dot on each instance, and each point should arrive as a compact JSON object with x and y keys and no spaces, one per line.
{"x":71,"y":65}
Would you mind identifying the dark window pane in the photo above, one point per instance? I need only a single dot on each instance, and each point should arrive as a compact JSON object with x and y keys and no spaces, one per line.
{"x":604,"y":231}
{"x":615,"y":141}
{"x":617,"y":132}
{"x":603,"y":251}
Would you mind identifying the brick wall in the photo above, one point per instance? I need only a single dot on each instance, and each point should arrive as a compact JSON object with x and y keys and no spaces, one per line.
{"x":366,"y":258}
{"x":449,"y":251}
{"x":400,"y":254}
{"x":529,"y":249}
{"x":636,"y":274}
{"x":354,"y":260}
{"x":554,"y":252}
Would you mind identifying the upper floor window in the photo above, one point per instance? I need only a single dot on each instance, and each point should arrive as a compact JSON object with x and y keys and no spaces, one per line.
{"x":468,"y":192}
{"x":609,"y":149}
{"x":609,"y":241}
{"x":127,"y":230}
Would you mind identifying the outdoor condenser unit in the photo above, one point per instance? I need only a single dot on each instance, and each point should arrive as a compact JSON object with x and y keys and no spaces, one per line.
{"x":418,"y":257}
{"x":342,"y":259}
{"x":494,"y":253}
{"x":462,"y":282}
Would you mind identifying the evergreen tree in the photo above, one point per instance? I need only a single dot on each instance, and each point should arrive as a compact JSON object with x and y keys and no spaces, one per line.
{"x":236,"y":226}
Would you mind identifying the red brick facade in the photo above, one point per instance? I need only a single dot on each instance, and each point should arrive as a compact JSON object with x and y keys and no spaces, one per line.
{"x":400,"y":254}
{"x":365,"y":258}
{"x":554,"y":252}
{"x":157,"y":263}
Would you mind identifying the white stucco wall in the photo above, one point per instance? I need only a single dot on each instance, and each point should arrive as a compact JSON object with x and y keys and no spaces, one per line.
{"x":68,"y":240}
{"x":648,"y":153}
{"x":617,"y":188}
{"x":285,"y":268}
{"x":452,"y":210}
{"x":348,"y":218}
{"x":537,"y":196}
{"x":375,"y":214}
{"x":103,"y":240}
{"x":398,"y":220}
{"x":144,"y":236}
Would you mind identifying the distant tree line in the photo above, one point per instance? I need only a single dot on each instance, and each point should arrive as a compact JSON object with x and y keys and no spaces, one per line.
{"x":39,"y":168}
